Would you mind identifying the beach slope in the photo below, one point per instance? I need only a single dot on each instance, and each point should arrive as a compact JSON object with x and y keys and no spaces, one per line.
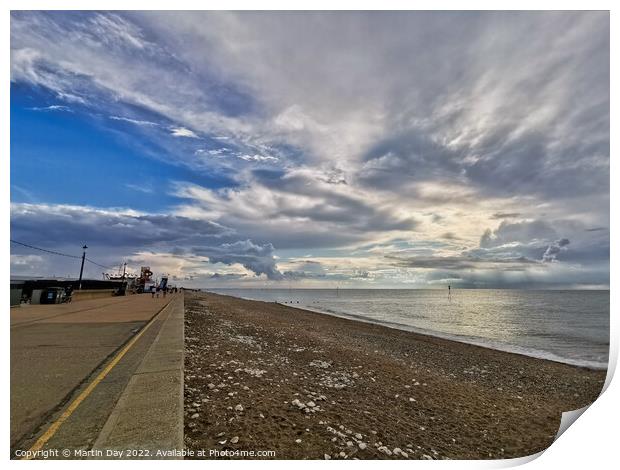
{"x":266,"y":377}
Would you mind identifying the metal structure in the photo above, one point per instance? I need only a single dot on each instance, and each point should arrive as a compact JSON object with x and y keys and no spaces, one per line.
{"x":144,"y":279}
{"x":82,"y":267}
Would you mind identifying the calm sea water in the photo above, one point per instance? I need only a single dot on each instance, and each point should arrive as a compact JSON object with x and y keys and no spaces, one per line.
{"x":566,"y":326}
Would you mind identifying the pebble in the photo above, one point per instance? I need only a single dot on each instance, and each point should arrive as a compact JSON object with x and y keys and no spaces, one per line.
{"x":234,"y":440}
{"x":385,"y":450}
{"x":298,"y":441}
{"x":358,"y":436}
{"x":239,"y":408}
{"x":362,"y":445}
{"x":298,"y":404}
{"x":195,"y":415}
{"x":326,"y":456}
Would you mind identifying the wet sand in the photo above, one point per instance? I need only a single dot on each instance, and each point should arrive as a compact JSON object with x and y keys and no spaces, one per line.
{"x":263,"y":376}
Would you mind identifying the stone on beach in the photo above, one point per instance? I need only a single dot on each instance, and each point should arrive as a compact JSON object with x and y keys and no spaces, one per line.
{"x":385,"y":450}
{"x":298,"y":404}
{"x":353,"y":418}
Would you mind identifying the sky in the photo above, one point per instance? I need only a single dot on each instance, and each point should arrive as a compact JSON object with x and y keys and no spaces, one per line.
{"x":314,"y":149}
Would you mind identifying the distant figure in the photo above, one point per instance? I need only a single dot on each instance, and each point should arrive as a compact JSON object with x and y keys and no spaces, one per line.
{"x":157,"y":292}
{"x":165,"y":290}
{"x":68,"y":293}
{"x":449,"y":292}
{"x":152,"y":293}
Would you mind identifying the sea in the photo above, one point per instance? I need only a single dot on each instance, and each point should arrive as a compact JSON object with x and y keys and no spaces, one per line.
{"x":570,"y":326}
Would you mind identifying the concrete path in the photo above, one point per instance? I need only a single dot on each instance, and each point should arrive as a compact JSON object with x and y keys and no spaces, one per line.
{"x":56,"y":349}
{"x":149,"y":415}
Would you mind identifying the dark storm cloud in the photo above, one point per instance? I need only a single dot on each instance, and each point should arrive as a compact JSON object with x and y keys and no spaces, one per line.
{"x":529,"y":164}
{"x":553,"y":250}
{"x":118,"y":233}
{"x":522,"y":232}
{"x":546,"y":241}
{"x":458,"y":263}
{"x":257,"y":258}
{"x":352,"y":213}
{"x":73,"y":225}
{"x":405,"y":158}
{"x":518,"y":255}
{"x":497,"y":279}
{"x":226,"y":277}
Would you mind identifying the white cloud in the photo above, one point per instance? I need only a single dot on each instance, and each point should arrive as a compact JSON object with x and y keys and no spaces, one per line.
{"x":183,"y":132}
{"x":372,"y":126}
{"x":257,"y":158}
{"x":54,"y":107}
{"x":137,"y":122}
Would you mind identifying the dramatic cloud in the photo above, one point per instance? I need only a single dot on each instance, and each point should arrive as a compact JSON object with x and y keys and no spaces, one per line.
{"x":553,"y":250}
{"x":402,"y":148}
{"x":463,"y":262}
{"x":520,"y":232}
{"x":71,"y":225}
{"x":257,"y":258}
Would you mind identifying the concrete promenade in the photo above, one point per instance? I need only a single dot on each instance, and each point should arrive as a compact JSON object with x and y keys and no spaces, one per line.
{"x":149,"y":414}
{"x":58,"y":351}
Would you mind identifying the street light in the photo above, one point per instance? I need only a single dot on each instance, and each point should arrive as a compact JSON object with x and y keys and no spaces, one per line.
{"x":82,"y":267}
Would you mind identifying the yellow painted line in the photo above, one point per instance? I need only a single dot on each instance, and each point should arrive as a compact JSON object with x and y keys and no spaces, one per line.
{"x":47,"y":435}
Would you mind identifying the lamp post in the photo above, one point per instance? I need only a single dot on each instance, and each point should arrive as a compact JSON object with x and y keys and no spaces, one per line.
{"x":82,"y":267}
